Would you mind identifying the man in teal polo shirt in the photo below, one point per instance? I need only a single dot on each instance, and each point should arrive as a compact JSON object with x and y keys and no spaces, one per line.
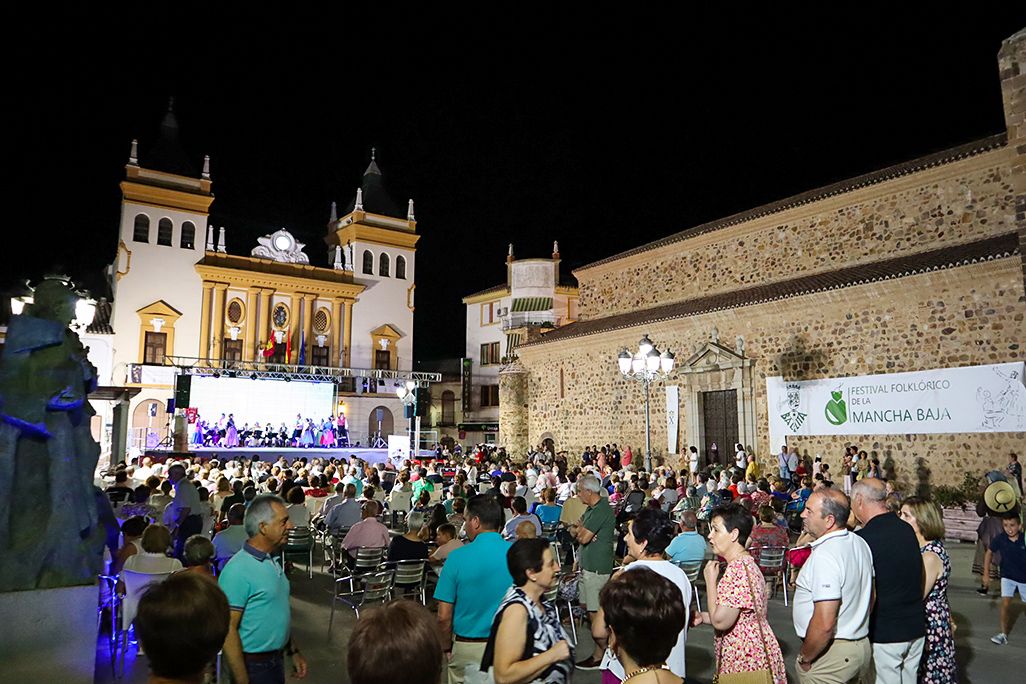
{"x":258,"y":595}
{"x":474,"y":579}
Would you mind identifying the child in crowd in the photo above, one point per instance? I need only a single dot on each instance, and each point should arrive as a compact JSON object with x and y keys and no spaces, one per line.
{"x":1012,"y":547}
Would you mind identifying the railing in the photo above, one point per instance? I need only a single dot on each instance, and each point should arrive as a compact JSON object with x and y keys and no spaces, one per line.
{"x":260,"y":369}
{"x":519,"y":319}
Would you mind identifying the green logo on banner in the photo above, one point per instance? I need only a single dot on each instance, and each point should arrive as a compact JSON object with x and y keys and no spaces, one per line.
{"x":836,"y":410}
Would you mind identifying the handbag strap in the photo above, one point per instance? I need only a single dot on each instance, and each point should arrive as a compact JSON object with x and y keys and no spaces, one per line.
{"x":758,"y":619}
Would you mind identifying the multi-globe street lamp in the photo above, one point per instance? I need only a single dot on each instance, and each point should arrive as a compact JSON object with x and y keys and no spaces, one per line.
{"x":645,"y":366}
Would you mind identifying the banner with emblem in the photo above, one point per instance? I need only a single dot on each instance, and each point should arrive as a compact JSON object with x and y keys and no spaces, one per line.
{"x":989,"y":398}
{"x":672,"y":418}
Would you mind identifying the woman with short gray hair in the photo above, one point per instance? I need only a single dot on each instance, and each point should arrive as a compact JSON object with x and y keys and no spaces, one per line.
{"x":410,"y":546}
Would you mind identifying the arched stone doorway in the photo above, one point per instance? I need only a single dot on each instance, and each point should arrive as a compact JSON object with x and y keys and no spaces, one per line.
{"x":380,"y":419}
{"x":149,"y":424}
{"x":548,"y":443}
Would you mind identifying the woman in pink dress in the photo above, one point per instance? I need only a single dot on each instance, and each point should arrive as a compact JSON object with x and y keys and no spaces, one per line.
{"x":737,"y":601}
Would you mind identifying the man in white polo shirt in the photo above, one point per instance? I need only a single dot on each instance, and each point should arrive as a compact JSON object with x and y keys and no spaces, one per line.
{"x":833,"y":595}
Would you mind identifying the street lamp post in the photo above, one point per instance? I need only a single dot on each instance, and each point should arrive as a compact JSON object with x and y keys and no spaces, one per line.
{"x":408,"y":395}
{"x":645,"y":366}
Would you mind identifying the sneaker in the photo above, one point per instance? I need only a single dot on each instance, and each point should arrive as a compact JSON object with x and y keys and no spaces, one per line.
{"x":1000,"y":639}
{"x":982,"y":591}
{"x":589,"y":664}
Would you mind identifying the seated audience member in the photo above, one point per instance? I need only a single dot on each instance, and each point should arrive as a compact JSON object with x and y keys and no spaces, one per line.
{"x":688,"y":546}
{"x":525,"y":530}
{"x":437,"y":517}
{"x":235,"y":497}
{"x":644,"y":615}
{"x":182,"y":624}
{"x":119,"y":492}
{"x":332,"y":501}
{"x":519,"y":505}
{"x":409,"y":546}
{"x":459,"y":506}
{"x":368,"y":533}
{"x":767,"y":532}
{"x":299,"y":514}
{"x":447,"y":541}
{"x":132,"y":531}
{"x":229,"y":541}
{"x":411,"y":654}
{"x":153,"y":558}
{"x":139,"y":505}
{"x":549,"y":511}
{"x":199,"y":554}
{"x":346,"y":513}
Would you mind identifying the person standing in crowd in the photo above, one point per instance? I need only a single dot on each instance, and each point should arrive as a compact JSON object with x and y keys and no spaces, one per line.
{"x":644,"y":617}
{"x":1012,"y":547}
{"x":471,"y":585}
{"x":595,"y":532}
{"x":185,"y":515}
{"x":649,"y":533}
{"x":833,"y":595}
{"x":410,"y":654}
{"x":258,"y":594}
{"x":181,"y":624}
{"x":938,"y":665}
{"x":693,"y":459}
{"x":527,"y":643}
{"x":737,"y":601}
{"x":897,"y":626}
{"x":1014,"y":470}
{"x":782,"y":468}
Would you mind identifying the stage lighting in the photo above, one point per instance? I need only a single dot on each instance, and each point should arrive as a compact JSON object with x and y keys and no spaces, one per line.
{"x":288,"y":379}
{"x":216,"y":374}
{"x":253,"y":376}
{"x":232,"y":374}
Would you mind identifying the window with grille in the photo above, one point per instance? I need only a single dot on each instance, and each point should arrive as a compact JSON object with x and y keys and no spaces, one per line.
{"x":320,"y":321}
{"x":232,"y":350}
{"x":400,"y":268}
{"x":188,"y":235}
{"x":383,"y":264}
{"x":234,"y":311}
{"x":154,"y":348}
{"x":489,"y":395}
{"x":319,"y":356}
{"x":141,"y":231}
{"x":164,"y":230}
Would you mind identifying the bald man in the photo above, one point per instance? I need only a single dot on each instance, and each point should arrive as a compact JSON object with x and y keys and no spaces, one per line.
{"x":833,"y":595}
{"x":897,"y":624}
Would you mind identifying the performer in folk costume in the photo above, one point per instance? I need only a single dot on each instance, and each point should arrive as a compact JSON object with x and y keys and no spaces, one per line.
{"x":231,"y":434}
{"x":297,"y":431}
{"x":328,"y":432}
{"x":341,"y":430}
{"x":197,"y":431}
{"x":283,"y":436}
{"x":307,"y":434}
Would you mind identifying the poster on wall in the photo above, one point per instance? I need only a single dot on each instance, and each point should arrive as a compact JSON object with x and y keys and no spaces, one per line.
{"x":398,"y":449}
{"x":989,"y":398}
{"x":672,"y":417}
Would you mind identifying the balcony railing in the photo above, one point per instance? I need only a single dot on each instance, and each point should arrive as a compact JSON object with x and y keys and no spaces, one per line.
{"x":520,"y":319}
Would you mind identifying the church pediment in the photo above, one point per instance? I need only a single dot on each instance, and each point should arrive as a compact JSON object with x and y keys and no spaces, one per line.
{"x":714,"y":356}
{"x":159,"y":308}
{"x":386,"y":331}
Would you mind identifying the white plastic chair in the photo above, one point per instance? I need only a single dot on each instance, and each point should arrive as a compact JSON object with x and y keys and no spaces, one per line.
{"x":135,"y":584}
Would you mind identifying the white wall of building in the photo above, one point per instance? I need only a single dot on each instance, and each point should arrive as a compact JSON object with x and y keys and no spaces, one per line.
{"x":386,"y":301}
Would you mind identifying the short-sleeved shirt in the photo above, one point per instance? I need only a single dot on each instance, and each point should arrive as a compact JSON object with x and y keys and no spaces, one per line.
{"x":474,"y":579}
{"x":1013,"y":556}
{"x":186,"y":496}
{"x":687,"y":547}
{"x":256,"y":584}
{"x":548,"y":514}
{"x":899,"y":614}
{"x":840,"y":567}
{"x":229,"y":542}
{"x":597,"y":555}
{"x":510,"y":531}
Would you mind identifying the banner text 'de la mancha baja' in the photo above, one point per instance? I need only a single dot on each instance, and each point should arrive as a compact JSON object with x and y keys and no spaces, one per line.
{"x":968,"y":399}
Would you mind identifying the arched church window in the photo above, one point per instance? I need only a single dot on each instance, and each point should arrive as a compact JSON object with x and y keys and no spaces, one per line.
{"x":400,"y":268}
{"x":368,"y":263}
{"x":383,"y":264}
{"x":164,"y":230}
{"x":141,"y":231}
{"x":188,"y":235}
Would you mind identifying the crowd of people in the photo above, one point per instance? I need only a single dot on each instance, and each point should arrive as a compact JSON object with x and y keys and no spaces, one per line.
{"x":869,"y":570}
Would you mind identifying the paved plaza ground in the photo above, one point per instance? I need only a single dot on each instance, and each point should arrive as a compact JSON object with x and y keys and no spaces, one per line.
{"x":976,"y":618}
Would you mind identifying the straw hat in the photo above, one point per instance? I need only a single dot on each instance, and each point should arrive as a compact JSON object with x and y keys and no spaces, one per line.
{"x":999,"y":497}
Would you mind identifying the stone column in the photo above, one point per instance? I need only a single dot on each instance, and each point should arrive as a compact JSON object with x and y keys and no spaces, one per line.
{"x":217,"y":325}
{"x":513,"y":412}
{"x":306,"y":339}
{"x":250,"y":343}
{"x":1012,"y":67}
{"x":347,"y":335}
{"x":337,"y":340}
{"x":204,"y":338}
{"x":265,"y":313}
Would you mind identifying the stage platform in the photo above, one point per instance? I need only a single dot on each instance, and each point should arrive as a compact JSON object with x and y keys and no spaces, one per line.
{"x":290,"y":454}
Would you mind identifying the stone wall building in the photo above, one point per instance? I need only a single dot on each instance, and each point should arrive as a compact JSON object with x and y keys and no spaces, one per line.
{"x":913,"y":267}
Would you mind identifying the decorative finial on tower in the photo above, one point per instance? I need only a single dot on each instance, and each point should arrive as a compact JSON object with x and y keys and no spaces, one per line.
{"x":374,"y":153}
{"x":359,"y":200}
{"x":206,"y":167}
{"x":510,"y":252}
{"x":338,"y":258}
{"x":334,"y":213}
{"x":555,"y":246}
{"x":210,"y":238}
{"x":409,"y":212}
{"x":171,"y":103}
{"x":220,"y":240}
{"x":133,"y":155}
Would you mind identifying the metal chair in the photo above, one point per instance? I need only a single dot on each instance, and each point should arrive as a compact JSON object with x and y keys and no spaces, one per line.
{"x":694,"y":571}
{"x":368,"y":559}
{"x":411,"y":578}
{"x":375,"y":587}
{"x":299,"y":541}
{"x":107,"y":599}
{"x":772,"y":560}
{"x":331,"y":543}
{"x":553,"y":596}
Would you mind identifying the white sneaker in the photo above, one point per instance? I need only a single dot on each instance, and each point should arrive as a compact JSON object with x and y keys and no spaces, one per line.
{"x":1000,"y":639}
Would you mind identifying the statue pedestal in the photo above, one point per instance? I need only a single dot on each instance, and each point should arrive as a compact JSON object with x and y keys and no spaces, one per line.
{"x":49,"y":635}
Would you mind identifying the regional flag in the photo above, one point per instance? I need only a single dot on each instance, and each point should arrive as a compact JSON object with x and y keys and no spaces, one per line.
{"x":268,"y":351}
{"x":302,"y":348}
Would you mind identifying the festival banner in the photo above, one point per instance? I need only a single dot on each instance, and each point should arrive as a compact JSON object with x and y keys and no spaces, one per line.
{"x":988,"y":398}
{"x":672,"y":418}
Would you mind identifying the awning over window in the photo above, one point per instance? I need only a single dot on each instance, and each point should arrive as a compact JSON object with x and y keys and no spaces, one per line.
{"x":512,"y":342}
{"x":532,"y":304}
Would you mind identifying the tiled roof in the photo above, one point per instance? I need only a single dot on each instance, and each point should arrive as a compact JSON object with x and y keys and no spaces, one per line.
{"x":489,"y":290}
{"x":900,"y":267}
{"x":101,"y":319}
{"x":872,"y":178}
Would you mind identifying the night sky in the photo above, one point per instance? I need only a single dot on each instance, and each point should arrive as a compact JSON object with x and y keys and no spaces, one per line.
{"x":602,"y":133}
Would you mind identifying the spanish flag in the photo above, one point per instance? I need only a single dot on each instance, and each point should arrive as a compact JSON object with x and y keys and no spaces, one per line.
{"x":268,"y":351}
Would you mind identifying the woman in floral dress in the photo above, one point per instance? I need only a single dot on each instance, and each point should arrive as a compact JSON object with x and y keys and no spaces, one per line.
{"x":938,"y":665}
{"x":737,"y":601}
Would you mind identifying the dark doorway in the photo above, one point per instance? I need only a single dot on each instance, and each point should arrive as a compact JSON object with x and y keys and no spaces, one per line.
{"x":719,"y":413}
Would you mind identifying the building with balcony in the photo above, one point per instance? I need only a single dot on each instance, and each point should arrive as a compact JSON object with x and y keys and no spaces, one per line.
{"x":530,"y":303}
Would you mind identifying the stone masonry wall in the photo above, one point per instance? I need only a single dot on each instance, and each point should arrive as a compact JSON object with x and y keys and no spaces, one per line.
{"x":513,"y":427}
{"x":963,"y":316}
{"x":957,"y":202}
